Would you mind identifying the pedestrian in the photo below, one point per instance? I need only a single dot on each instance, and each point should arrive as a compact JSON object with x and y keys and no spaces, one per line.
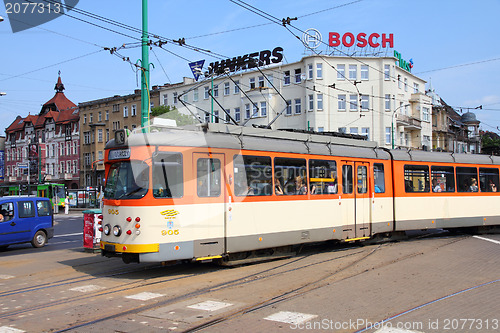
{"x":66,"y":205}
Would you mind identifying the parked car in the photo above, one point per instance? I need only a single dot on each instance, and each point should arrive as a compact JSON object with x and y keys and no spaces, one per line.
{"x":25,"y":219}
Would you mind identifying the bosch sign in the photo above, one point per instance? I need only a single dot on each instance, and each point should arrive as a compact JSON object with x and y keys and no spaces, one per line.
{"x":361,"y":40}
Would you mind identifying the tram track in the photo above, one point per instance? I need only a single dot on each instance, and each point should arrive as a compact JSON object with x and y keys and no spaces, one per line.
{"x":268,"y":273}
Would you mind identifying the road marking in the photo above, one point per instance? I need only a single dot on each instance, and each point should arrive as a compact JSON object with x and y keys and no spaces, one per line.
{"x":210,"y":306}
{"x":67,"y":235}
{"x":7,"y":329}
{"x":292,"y":318}
{"x":5,"y":277}
{"x":89,"y":288}
{"x":144,"y":296}
{"x":487,"y":239}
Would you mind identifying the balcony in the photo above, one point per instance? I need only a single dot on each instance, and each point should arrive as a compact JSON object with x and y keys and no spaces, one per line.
{"x":410,"y":123}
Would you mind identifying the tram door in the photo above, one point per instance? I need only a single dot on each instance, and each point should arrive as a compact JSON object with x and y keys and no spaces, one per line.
{"x":355,"y":200}
{"x":362,"y":200}
{"x":210,"y":200}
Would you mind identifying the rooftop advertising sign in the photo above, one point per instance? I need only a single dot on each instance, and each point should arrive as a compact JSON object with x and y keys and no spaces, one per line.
{"x":248,"y":61}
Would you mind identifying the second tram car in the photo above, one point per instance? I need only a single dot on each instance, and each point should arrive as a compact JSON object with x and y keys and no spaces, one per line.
{"x":217,"y":191}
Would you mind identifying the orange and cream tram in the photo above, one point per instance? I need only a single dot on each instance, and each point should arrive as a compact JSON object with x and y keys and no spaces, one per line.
{"x":218,"y":191}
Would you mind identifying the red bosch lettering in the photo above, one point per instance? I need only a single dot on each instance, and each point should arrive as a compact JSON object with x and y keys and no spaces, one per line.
{"x":334,"y":39}
{"x":351,"y":39}
{"x":361,"y":39}
{"x":389,"y":40}
{"x":370,"y":40}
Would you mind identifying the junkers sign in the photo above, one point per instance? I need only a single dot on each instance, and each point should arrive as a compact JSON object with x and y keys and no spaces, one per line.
{"x":248,"y":61}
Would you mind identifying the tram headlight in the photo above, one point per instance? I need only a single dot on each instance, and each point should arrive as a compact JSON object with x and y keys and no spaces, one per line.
{"x":107,"y":229}
{"x":117,"y":231}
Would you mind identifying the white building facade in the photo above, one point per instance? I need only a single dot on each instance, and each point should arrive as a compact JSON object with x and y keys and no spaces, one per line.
{"x":369,"y":96}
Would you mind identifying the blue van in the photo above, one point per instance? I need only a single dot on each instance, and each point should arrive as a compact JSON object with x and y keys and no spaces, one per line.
{"x":25,"y":219}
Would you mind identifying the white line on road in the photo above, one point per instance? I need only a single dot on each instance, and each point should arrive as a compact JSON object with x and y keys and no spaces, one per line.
{"x":66,"y":235}
{"x":487,"y":239}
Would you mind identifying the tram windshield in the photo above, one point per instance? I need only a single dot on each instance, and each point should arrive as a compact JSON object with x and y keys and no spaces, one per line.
{"x":127,"y":180}
{"x":59,"y":191}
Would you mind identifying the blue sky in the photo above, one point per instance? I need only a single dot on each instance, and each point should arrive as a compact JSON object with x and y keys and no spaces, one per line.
{"x":437,"y":35}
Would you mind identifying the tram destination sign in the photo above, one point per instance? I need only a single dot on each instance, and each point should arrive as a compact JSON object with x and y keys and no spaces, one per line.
{"x":118,"y":154}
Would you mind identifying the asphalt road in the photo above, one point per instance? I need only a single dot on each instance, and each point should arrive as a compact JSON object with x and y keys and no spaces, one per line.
{"x":428,"y":283}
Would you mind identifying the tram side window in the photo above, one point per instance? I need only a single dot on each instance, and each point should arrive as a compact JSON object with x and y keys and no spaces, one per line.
{"x":443,"y":179}
{"x":467,"y":179}
{"x":208,"y":177}
{"x":416,"y":178}
{"x":322,"y":177}
{"x":488,"y":178}
{"x":347,"y":179}
{"x":379,"y":177}
{"x":167,"y":175}
{"x":362,"y":179}
{"x":252,"y":175}
{"x":291,"y":174}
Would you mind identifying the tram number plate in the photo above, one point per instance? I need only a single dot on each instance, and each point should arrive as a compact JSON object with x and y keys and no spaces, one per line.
{"x":109,"y":247}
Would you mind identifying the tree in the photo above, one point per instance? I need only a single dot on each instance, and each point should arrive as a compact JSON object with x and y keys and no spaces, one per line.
{"x":490,"y":143}
{"x":166,"y":112}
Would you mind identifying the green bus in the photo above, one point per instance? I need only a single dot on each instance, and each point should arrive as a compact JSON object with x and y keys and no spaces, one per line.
{"x":47,"y":190}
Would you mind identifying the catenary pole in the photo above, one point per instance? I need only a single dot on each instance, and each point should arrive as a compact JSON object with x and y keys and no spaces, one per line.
{"x":145,"y":103}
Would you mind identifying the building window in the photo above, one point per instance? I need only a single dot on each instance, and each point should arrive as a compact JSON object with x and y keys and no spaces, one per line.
{"x":387,"y":102}
{"x":353,"y":72}
{"x":288,"y":111}
{"x":227,"y":117}
{"x":216,"y":91}
{"x":425,"y":114}
{"x":107,"y":134}
{"x":184,"y":96}
{"x":298,"y":108}
{"x":206,"y":95}
{"x":342,"y":102}
{"x":287,"y":78}
{"x":252,"y":83}
{"x":175,"y":98}
{"x":399,"y":82}
{"x":86,"y":138}
{"x":226,"y":88}
{"x":387,"y":72}
{"x":116,"y":107}
{"x":195,"y":95}
{"x":263,"y":109}
{"x":342,"y":130}
{"x":261,"y":81}
{"x":364,"y":72}
{"x":340,"y":72}
{"x":85,"y":118}
{"x":298,"y":75}
{"x":415,"y":88}
{"x":309,"y":71}
{"x":255,"y":112}
{"x":319,"y":100}
{"x":319,"y":71}
{"x":99,"y":116}
{"x":353,"y":130}
{"x":387,"y":135}
{"x":311,"y":102}
{"x":237,"y":114}
{"x":165,"y":99}
{"x":107,"y":115}
{"x":365,"y":131}
{"x":247,"y":111}
{"x":365,"y":104}
{"x":237,"y":87}
{"x":353,"y":102}
{"x":99,"y":135}
{"x":216,"y":116}
{"x":125,"y":111}
{"x":406,"y":84}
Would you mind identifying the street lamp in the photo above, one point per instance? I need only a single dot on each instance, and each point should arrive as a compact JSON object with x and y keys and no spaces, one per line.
{"x":1,"y":19}
{"x":392,"y":122}
{"x":2,"y":93}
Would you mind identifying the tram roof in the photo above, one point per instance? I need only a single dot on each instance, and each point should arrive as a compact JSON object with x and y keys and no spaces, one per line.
{"x":237,"y":137}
